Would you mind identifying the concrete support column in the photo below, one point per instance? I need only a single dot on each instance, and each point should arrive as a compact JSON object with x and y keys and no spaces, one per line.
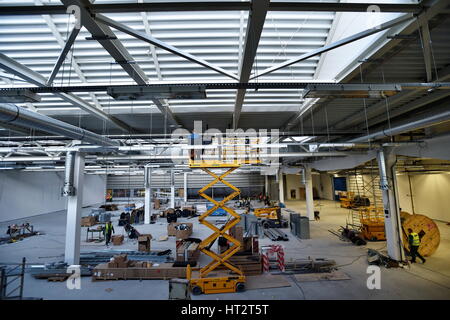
{"x":148,"y":194}
{"x":309,"y":193}
{"x":74,"y":207}
{"x":185,"y":187}
{"x":281,"y":186}
{"x":388,"y":184}
{"x":172,"y":189}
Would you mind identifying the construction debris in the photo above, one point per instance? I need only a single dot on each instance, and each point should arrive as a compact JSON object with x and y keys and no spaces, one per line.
{"x":17,"y":232}
{"x":346,"y":234}
{"x":305,"y":265}
{"x":374,"y":257}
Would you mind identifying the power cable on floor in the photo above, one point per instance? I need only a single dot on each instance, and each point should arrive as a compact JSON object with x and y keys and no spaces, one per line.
{"x":297,"y":285}
{"x":348,"y":264}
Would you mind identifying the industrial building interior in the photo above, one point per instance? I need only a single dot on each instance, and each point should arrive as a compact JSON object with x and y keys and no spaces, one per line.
{"x":224,"y":150}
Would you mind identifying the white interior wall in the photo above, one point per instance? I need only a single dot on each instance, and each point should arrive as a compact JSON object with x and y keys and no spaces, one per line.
{"x":326,"y":186}
{"x":25,"y":194}
{"x":430,"y":194}
{"x":292,"y":183}
{"x":322,"y":183}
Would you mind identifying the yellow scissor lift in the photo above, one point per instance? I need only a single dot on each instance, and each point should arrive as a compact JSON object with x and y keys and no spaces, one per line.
{"x":234,"y":279}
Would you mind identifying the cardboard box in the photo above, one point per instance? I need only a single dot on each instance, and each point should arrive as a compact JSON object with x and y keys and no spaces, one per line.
{"x":117,"y":240}
{"x":120,"y":258}
{"x":179,"y":234}
{"x":88,"y":221}
{"x":144,"y":242}
{"x":187,"y":251}
{"x":237,"y":232}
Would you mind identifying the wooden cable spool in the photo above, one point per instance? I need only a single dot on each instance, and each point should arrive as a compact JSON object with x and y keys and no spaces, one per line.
{"x":422,"y":225}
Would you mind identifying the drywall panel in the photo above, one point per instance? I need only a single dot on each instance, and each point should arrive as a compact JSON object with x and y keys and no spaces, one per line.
{"x":25,"y":194}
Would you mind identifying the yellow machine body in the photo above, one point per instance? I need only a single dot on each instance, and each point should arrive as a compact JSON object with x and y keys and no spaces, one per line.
{"x":346,"y":199}
{"x":268,"y":213}
{"x":372,"y":223}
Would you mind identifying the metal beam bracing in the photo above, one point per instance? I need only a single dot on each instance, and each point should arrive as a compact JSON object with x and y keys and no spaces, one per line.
{"x":255,"y":24}
{"x":62,"y":56}
{"x":375,"y":54}
{"x":106,"y":37}
{"x":368,"y":86}
{"x":212,"y":6}
{"x":20,"y":70}
{"x":379,"y":108}
{"x":426,"y":47}
{"x":144,"y":16}
{"x":160,"y":44}
{"x":337,"y":44}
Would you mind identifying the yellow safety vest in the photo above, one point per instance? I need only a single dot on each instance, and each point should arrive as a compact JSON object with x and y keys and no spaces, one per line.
{"x":108,"y":228}
{"x":416,"y":239}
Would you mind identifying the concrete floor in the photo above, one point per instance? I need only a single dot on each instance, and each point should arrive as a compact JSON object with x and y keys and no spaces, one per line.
{"x":429,"y":281}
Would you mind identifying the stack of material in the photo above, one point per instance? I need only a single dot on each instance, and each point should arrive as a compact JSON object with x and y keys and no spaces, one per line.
{"x":117,"y":240}
{"x":249,"y":264}
{"x":276,"y":235}
{"x":88,"y":221}
{"x":306,"y":265}
{"x":187,"y":251}
{"x":95,"y":258}
{"x":138,"y":271}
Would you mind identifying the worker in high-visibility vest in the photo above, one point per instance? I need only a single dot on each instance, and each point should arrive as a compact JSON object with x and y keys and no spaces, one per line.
{"x":108,"y":231}
{"x":414,"y":244}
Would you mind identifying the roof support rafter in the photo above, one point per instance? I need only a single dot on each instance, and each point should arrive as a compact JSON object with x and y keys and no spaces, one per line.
{"x":160,"y":44}
{"x":255,"y":24}
{"x":62,"y":56}
{"x":337,"y":44}
{"x":426,"y":47}
{"x":33,"y":77}
{"x":115,"y":48}
{"x":152,"y":47}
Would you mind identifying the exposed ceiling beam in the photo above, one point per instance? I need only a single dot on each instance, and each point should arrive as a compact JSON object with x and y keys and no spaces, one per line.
{"x":383,"y":47}
{"x":379,"y":108}
{"x":160,"y":44}
{"x":62,"y":56}
{"x":426,"y":48}
{"x":106,"y":37}
{"x":212,"y":6}
{"x":410,"y":106}
{"x":337,"y":44}
{"x":20,"y":70}
{"x":145,"y":17}
{"x":255,"y":24}
{"x":200,"y":87}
